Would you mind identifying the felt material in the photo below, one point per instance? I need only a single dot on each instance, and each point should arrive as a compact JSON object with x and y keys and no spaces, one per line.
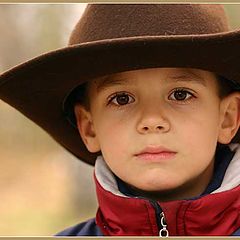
{"x":109,"y":21}
{"x":116,"y":38}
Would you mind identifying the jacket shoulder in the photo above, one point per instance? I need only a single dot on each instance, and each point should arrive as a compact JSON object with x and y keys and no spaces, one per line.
{"x":88,"y":228}
{"x":236,"y":233}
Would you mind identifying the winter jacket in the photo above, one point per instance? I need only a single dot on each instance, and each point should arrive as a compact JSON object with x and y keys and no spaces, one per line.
{"x":216,"y":212}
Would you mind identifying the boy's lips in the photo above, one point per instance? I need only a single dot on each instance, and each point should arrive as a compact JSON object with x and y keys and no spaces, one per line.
{"x":155,"y":153}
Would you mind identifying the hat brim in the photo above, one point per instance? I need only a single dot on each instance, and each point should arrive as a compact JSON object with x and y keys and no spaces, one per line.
{"x":38,"y":88}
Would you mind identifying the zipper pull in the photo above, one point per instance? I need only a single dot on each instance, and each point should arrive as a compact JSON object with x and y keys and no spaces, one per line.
{"x":163,"y":232}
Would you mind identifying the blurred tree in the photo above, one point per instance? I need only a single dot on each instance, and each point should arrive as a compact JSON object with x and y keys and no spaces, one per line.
{"x":10,"y":43}
{"x":38,"y":178}
{"x":233,"y":11}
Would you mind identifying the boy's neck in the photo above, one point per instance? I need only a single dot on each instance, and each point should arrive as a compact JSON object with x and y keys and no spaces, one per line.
{"x":191,"y":189}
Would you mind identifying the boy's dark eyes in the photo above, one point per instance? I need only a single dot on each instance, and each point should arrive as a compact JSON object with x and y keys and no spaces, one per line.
{"x":180,"y":95}
{"x":123,"y":98}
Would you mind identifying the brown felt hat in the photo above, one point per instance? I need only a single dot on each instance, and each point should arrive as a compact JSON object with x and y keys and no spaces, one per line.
{"x":112,"y":38}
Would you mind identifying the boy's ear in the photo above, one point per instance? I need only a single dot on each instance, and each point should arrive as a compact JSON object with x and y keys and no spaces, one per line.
{"x":230,"y":117}
{"x":86,"y":128}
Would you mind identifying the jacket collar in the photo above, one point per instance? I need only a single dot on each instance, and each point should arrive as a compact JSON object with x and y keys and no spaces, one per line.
{"x":214,"y":214}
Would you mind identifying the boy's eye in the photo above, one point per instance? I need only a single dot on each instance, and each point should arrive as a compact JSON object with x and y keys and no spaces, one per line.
{"x":121,"y":99}
{"x":180,"y":95}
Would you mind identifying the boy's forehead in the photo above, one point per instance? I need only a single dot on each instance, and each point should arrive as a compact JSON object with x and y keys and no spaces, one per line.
{"x":173,"y":74}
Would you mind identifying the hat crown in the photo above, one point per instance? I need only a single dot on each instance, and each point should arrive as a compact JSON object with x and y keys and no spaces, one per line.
{"x":110,"y":21}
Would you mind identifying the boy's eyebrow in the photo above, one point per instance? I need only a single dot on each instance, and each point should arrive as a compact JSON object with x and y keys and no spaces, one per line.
{"x":109,"y":81}
{"x":120,"y":80}
{"x":189,"y":77}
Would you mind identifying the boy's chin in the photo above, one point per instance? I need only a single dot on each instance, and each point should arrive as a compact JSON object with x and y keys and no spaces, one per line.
{"x":159,"y":184}
{"x":161,"y":193}
{"x":166,"y":191}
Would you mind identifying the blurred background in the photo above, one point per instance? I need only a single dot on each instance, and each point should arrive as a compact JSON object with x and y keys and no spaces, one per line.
{"x":43,"y":188}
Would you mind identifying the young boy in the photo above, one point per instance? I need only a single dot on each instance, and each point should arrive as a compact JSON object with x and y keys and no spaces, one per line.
{"x":153,"y":91}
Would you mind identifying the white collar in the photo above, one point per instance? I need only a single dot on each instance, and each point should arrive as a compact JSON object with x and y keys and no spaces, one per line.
{"x":232,"y":177}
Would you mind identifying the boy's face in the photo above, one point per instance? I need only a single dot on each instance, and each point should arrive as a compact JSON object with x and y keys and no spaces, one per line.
{"x":157,"y":128}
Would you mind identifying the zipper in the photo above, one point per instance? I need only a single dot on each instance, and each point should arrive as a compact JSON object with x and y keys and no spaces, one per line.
{"x":163,"y":232}
{"x":161,"y":220}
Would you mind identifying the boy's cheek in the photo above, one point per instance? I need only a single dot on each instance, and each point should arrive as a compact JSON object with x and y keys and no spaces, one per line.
{"x":115,"y":142}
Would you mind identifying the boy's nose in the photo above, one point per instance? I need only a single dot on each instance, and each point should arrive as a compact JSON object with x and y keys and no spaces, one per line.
{"x":153,"y":124}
